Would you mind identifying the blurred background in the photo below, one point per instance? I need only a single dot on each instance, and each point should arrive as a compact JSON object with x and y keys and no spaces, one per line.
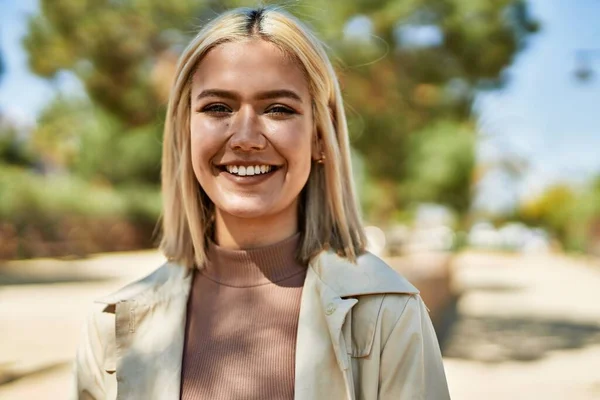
{"x":475,"y":130}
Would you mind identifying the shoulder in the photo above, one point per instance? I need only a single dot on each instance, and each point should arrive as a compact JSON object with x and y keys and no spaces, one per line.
{"x":98,"y":341}
{"x":369,"y":275}
{"x":385,"y":297}
{"x":167,"y":279}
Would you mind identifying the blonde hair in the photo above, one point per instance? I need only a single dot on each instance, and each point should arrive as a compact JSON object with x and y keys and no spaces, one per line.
{"x":329,"y":216}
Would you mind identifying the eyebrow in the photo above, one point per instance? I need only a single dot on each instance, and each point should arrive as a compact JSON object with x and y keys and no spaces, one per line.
{"x":269,"y":94}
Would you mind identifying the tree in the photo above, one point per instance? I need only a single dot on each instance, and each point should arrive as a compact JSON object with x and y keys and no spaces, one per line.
{"x":13,"y":149}
{"x":408,"y":79}
{"x":423,"y":76}
{"x":113,"y":47}
{"x":74,"y":135}
{"x":569,"y":213}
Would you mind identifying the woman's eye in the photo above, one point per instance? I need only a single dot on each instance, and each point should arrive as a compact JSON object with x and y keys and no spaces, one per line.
{"x":280,"y":110}
{"x":216,"y":109}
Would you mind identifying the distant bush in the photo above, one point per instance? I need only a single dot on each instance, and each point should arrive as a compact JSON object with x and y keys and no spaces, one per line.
{"x":73,"y":135}
{"x":59,"y":215}
{"x":570,"y":214}
{"x":13,"y":148}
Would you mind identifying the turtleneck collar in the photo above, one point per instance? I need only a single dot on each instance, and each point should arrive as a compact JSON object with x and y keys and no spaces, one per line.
{"x":253,"y":267}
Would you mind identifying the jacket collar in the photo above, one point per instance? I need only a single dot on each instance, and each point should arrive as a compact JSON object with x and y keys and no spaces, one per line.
{"x":369,"y":275}
{"x":166,"y":281}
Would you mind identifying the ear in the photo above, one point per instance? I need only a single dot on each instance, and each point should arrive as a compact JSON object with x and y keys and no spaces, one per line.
{"x":317,"y":152}
{"x":317,"y":147}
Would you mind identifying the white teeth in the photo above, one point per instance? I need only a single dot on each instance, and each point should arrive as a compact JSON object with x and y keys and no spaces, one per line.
{"x":242,"y":170}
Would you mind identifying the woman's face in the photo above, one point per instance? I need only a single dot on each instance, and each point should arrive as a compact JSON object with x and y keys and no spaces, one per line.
{"x":251,"y":129}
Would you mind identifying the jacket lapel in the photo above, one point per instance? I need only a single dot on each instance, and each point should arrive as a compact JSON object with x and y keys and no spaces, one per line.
{"x":323,"y":369}
{"x":322,"y":363}
{"x":149,"y":329}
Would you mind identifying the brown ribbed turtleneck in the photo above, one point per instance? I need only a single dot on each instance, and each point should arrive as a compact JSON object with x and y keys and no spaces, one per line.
{"x":242,"y":321}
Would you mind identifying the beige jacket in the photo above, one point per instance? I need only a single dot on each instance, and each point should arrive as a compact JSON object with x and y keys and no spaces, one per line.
{"x":363,"y":333}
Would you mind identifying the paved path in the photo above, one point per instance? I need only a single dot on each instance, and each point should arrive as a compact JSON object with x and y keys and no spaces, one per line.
{"x":528,"y":327}
{"x":43,"y":304}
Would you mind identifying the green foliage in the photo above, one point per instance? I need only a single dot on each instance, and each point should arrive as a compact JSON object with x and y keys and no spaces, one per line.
{"x":566,"y":212}
{"x":553,"y":207}
{"x":13,"y":149}
{"x":61,"y":126}
{"x":59,"y":215}
{"x":27,"y":196}
{"x":112,"y":47}
{"x":120,"y":156}
{"x":409,"y":105}
{"x":408,"y":88}
{"x":440,"y":165}
{"x":93,"y":144}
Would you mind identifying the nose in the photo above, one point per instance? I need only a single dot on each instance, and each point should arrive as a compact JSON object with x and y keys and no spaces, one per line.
{"x":247,"y":131}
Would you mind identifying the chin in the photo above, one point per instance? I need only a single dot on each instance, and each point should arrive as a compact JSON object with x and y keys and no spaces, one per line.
{"x":246,"y":213}
{"x":247,"y":209}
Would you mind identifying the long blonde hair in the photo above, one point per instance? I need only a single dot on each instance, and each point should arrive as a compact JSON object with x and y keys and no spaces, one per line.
{"x":329,"y":216}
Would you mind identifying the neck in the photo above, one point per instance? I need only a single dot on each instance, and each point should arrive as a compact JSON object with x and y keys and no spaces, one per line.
{"x":246,"y":233}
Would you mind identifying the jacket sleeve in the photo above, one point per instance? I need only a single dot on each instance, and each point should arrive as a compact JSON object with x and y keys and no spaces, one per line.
{"x":89,"y":360}
{"x":411,"y":360}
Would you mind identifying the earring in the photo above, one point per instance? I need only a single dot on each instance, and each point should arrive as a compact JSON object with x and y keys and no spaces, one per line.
{"x":322,"y":159}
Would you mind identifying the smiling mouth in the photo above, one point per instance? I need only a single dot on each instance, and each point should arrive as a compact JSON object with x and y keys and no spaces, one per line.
{"x":248,"y":170}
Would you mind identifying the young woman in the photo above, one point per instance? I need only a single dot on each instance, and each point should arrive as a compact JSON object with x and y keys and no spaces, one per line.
{"x":268,"y":292}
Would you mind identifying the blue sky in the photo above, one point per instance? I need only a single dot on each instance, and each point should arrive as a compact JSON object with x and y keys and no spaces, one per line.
{"x":543,"y":115}
{"x":22,"y":94}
